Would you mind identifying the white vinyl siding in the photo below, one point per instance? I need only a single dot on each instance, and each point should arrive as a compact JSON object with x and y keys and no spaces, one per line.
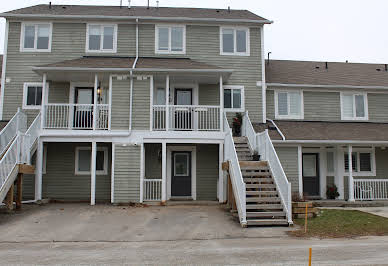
{"x":354,"y":106}
{"x":101,"y":38}
{"x":289,"y":105}
{"x":36,"y":37}
{"x":170,"y":39}
{"x":234,"y":98}
{"x":234,"y":41}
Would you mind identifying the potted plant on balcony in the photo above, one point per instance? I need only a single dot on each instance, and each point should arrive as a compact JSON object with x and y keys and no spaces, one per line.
{"x":332,"y":192}
{"x":237,"y":121}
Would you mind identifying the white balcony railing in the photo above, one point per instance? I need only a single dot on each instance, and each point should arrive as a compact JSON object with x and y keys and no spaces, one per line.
{"x":152,"y":189}
{"x":371,"y":189}
{"x":186,"y":117}
{"x":75,"y":116}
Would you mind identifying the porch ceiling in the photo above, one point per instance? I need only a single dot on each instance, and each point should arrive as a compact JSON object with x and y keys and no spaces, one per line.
{"x":179,"y":69}
{"x":327,"y":131}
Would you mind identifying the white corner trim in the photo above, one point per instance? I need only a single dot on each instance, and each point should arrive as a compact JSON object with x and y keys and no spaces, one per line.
{"x":112,"y":183}
{"x":86,"y":148}
{"x":35,"y":49}
{"x":263,"y":81}
{"x":4,"y":68}
{"x":101,"y":50}
{"x":235,"y":53}
{"x":300,"y":171}
{"x":236,"y":87}
{"x":340,"y":86}
{"x":169,"y":27}
{"x":277,"y":116}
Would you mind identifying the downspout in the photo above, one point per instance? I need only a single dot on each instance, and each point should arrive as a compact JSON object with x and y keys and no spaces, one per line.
{"x":131,"y":76}
{"x":278,"y":129}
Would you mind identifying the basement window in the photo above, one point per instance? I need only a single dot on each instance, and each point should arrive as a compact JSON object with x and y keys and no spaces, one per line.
{"x":83,"y":161}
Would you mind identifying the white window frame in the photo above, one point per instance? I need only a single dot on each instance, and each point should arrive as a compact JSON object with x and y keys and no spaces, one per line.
{"x":353,"y":94}
{"x":248,"y":48}
{"x":35,"y":24}
{"x":25,"y":94}
{"x":372,"y":158}
{"x":102,"y":50}
{"x":169,"y":26}
{"x":84,"y":148}
{"x":277,"y":116}
{"x":235,"y":87}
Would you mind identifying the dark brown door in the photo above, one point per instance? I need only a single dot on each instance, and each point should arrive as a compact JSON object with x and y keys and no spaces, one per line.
{"x":181,"y":174}
{"x":311,"y":174}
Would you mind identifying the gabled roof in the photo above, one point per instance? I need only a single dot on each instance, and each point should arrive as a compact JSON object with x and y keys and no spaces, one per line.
{"x":126,"y":64}
{"x":327,"y":131}
{"x":136,"y":12}
{"x":316,"y":73}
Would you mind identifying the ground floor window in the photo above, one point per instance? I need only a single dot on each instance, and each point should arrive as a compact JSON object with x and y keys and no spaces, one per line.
{"x":362,"y":162}
{"x":83,"y":161}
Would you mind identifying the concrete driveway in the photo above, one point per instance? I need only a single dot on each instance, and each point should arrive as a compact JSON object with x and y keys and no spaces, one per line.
{"x":81,"y":222}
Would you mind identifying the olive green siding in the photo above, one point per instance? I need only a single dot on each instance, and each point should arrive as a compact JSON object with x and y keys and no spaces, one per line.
{"x":207,"y":172}
{"x":318,"y":106}
{"x":141,"y":104}
{"x":58,"y":92}
{"x":60,"y":181}
{"x":288,"y":157}
{"x":203,"y":45}
{"x":209,"y":94}
{"x":120,"y":104}
{"x":127,"y":174}
{"x":377,"y":107}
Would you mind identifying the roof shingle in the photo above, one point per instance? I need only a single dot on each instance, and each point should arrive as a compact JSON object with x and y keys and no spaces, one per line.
{"x":315,"y":73}
{"x":137,"y":11}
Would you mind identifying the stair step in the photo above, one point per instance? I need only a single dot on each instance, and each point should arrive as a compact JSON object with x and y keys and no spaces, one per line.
{"x":264,"y":207}
{"x":243,"y":149}
{"x":267,"y":222}
{"x":244,"y":145}
{"x":253,"y":165}
{"x":257,"y":180}
{"x":252,"y":168}
{"x":240,"y":139}
{"x":266,"y":214}
{"x":255,"y":174}
{"x":260,"y":186}
{"x":263,"y":199}
{"x":261,"y":193}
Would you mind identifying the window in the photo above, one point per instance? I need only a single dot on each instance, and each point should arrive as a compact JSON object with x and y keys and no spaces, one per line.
{"x":330,"y":163}
{"x":354,"y":106}
{"x":234,"y":98}
{"x":363,"y":162}
{"x":170,"y":39}
{"x":101,"y":38}
{"x":234,"y":41}
{"x":36,"y":37}
{"x":32,"y":95}
{"x":83,"y":161}
{"x":289,"y":105}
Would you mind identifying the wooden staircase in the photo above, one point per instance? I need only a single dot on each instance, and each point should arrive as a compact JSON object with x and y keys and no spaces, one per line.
{"x":263,"y":203}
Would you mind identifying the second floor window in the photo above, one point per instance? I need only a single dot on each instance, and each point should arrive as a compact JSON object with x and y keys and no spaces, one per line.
{"x":354,"y":106}
{"x":234,"y":98}
{"x":170,"y":39}
{"x":288,"y":105}
{"x":101,"y":38}
{"x":32,"y":97}
{"x":234,"y":41}
{"x":36,"y":37}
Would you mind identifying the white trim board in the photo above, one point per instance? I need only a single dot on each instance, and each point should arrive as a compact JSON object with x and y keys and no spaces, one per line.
{"x":193,"y":150}
{"x":4,"y":68}
{"x":290,"y":85}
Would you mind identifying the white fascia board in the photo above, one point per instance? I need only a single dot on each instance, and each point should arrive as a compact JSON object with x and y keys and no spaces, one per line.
{"x":131,"y":69}
{"x":323,"y":86}
{"x":46,"y":16}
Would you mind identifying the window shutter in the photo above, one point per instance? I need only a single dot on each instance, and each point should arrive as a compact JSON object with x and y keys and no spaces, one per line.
{"x":347,"y":106}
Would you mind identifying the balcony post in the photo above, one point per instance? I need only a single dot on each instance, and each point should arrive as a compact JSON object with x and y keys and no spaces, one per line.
{"x":164,"y":172}
{"x":93,"y":174}
{"x":167,"y":102}
{"x":39,"y":171}
{"x":350,"y":180}
{"x":221,"y":104}
{"x":44,"y":99}
{"x":95,"y":102}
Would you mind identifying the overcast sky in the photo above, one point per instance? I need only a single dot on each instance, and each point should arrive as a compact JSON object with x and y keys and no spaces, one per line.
{"x":326,"y":30}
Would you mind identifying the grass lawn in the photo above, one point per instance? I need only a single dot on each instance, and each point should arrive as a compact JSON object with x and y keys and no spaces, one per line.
{"x":342,"y":223}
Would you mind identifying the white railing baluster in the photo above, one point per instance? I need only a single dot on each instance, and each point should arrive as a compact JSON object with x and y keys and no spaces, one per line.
{"x":152,"y":189}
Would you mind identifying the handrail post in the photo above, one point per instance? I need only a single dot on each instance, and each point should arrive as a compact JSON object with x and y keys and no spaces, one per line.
{"x":95,"y":102}
{"x":221,"y":104}
{"x":167,"y":103}
{"x":43,"y":101}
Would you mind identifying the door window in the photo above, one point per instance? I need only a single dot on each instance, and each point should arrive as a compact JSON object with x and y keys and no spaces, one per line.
{"x":85,"y":96}
{"x":181,"y":164}
{"x":309,"y":165}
